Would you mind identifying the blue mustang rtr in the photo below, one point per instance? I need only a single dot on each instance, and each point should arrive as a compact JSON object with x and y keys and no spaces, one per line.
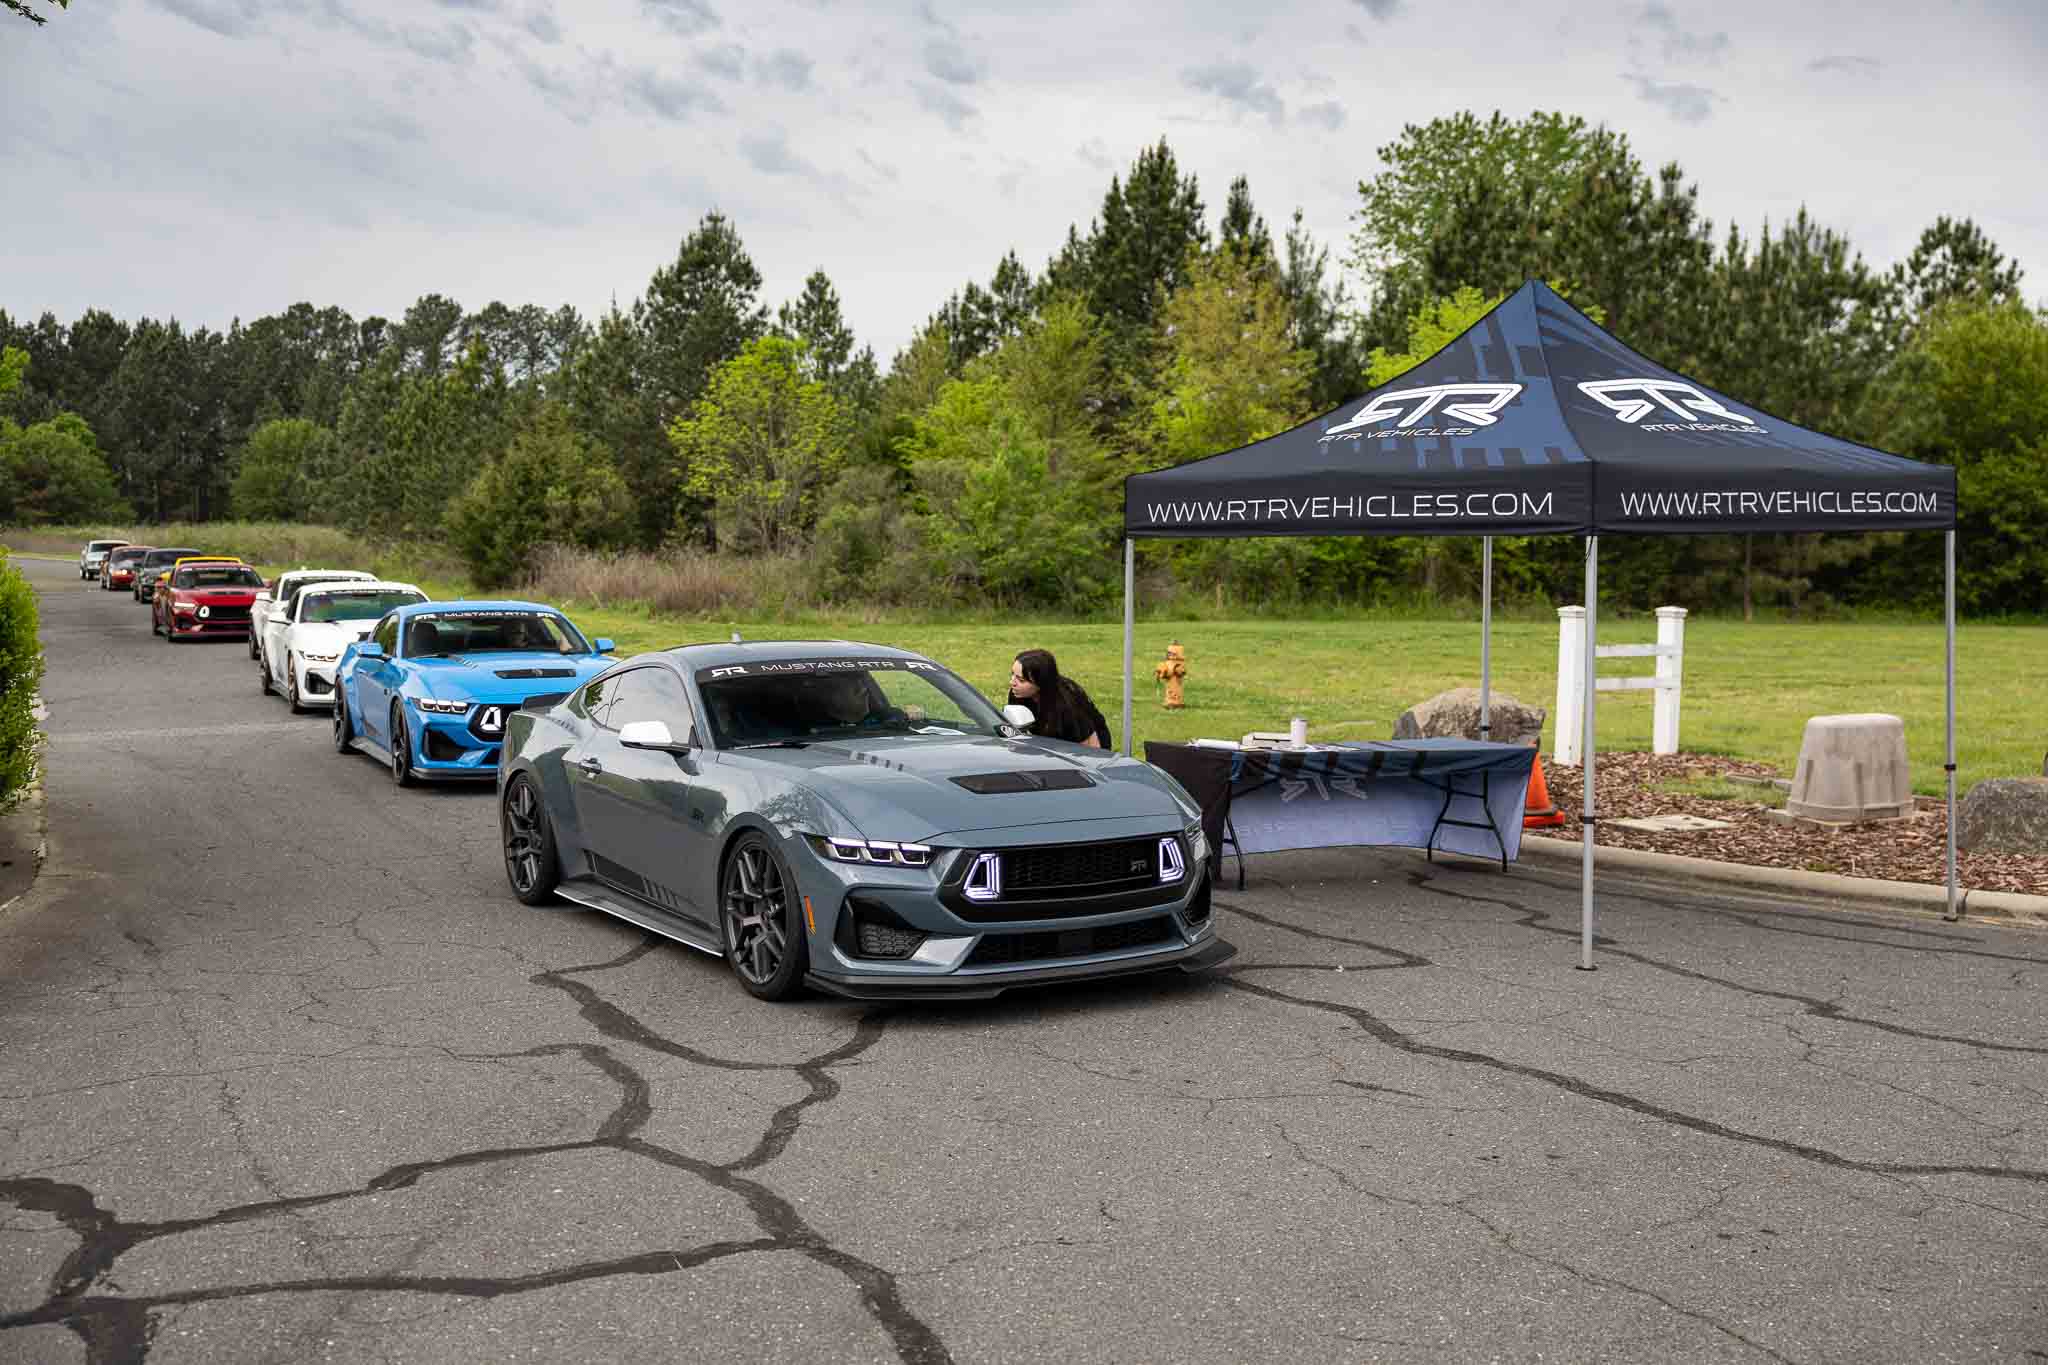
{"x":430,"y":690}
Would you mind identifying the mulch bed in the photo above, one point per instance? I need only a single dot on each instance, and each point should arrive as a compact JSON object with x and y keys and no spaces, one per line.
{"x":1627,"y":785}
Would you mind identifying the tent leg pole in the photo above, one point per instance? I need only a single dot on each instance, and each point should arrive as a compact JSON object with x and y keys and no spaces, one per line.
{"x":1130,"y":580}
{"x":1954,"y":910}
{"x":1486,"y":638}
{"x":1587,"y":745}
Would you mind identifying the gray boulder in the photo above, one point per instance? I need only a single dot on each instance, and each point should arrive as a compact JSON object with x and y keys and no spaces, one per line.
{"x":2005,"y":815}
{"x":1455,"y":715}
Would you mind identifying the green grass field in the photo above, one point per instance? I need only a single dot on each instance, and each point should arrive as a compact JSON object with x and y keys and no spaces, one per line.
{"x":1749,"y":687}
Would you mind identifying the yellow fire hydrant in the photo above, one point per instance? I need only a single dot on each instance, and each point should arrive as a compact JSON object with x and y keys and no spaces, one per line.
{"x":1170,"y":671}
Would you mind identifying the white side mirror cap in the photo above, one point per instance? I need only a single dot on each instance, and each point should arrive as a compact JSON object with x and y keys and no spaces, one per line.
{"x":647,"y":734}
{"x":1019,"y":716}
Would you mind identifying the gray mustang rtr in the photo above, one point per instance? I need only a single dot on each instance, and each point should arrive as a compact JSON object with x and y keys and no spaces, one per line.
{"x":850,"y":817}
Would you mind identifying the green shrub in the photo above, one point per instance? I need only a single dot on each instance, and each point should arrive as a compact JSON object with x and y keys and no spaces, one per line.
{"x":21,"y":674}
{"x":553,"y":485}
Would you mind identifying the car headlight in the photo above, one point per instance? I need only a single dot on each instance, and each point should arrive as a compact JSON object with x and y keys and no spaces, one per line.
{"x":319,"y":658}
{"x":186,"y":608}
{"x":880,"y":852}
{"x":441,"y":708}
{"x":1198,"y":842}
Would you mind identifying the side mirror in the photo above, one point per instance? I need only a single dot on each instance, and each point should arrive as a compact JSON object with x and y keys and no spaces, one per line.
{"x":366,"y":650}
{"x":604,"y":646}
{"x":1019,"y":716}
{"x":650,"y":734}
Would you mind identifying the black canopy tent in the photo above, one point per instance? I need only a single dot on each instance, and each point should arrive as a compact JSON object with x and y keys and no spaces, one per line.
{"x":1535,"y":420}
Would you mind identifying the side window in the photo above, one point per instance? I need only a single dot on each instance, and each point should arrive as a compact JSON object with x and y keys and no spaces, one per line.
{"x":597,"y":698}
{"x":649,"y":694}
{"x":387,"y":635}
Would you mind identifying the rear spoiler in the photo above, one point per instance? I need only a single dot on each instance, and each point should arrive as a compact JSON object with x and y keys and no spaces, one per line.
{"x":543,"y":702}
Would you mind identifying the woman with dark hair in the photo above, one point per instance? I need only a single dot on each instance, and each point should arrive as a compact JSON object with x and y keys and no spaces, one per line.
{"x":1059,"y":708}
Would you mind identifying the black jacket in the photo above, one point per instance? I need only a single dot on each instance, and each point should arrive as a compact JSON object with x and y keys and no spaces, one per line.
{"x":1083,"y":717}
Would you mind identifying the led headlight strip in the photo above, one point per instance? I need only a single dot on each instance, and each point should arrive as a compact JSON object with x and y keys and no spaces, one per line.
{"x":442,"y":708}
{"x":879,"y":851}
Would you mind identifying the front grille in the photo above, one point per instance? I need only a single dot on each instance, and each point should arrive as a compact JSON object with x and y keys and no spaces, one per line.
{"x":229,"y":613}
{"x":1079,"y":869}
{"x":996,"y":950}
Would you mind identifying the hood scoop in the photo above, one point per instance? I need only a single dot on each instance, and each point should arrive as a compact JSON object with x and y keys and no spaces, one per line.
{"x":536,"y":672}
{"x":1026,"y":780}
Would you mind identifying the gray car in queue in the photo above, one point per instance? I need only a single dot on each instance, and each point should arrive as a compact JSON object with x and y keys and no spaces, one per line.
{"x":853,"y":818}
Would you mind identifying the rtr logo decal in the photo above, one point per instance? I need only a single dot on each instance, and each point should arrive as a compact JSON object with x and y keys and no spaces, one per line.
{"x":732,"y":671}
{"x":1631,"y":400}
{"x":1399,"y":412}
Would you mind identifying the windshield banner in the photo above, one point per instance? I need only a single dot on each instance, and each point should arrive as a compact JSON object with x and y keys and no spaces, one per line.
{"x":776,"y":667}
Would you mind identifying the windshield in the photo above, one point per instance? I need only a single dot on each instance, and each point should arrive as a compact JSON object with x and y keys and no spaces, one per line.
{"x":217,"y":576}
{"x":797,"y":700}
{"x":125,"y":556}
{"x":356,"y":606}
{"x":163,"y":559}
{"x":491,"y":632}
{"x":99,"y":546}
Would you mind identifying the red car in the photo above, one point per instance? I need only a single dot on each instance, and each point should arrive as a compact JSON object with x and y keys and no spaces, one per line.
{"x":121,"y":567}
{"x":199,"y":600}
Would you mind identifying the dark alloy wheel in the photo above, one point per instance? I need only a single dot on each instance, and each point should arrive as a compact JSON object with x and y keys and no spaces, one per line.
{"x":291,"y":686}
{"x":401,"y":748}
{"x":758,"y":919}
{"x":263,"y":672}
{"x":343,"y":740}
{"x":529,"y":840}
{"x":252,"y":639}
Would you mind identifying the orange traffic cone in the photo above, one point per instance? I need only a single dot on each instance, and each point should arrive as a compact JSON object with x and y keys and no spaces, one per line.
{"x":1537,"y":810}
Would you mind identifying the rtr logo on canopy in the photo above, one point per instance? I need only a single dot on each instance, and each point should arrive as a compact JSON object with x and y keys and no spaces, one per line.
{"x":1631,"y":400}
{"x":1396,"y":413}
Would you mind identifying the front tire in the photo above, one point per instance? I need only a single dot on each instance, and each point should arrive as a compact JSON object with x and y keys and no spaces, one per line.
{"x":758,"y":920}
{"x":529,"y":842}
{"x":263,"y":672}
{"x":401,"y":749}
{"x":291,"y":686}
{"x":344,"y":740}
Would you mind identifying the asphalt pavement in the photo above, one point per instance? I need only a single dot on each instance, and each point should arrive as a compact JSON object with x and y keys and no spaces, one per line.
{"x":286,"y":1074}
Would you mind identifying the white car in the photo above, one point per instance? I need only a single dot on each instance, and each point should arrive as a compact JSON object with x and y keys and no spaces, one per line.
{"x":93,"y":557}
{"x":280,"y":591}
{"x":300,"y":649}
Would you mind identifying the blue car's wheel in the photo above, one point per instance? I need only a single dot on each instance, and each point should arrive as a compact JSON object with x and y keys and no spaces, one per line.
{"x":401,"y":748}
{"x":529,"y":839}
{"x":344,"y":736}
{"x":757,"y":911}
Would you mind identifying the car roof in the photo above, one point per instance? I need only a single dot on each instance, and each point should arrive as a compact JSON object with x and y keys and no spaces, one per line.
{"x":468,"y":604}
{"x":335,"y":575}
{"x":209,"y":559}
{"x":342,"y":587}
{"x":722,"y":653}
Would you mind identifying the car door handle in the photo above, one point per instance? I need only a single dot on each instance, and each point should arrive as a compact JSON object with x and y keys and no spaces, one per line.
{"x":590,"y":766}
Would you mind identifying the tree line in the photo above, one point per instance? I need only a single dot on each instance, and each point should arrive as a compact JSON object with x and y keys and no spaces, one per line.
{"x":984,"y":463}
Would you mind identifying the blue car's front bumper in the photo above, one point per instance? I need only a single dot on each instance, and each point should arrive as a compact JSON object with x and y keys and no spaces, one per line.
{"x":447,"y":747}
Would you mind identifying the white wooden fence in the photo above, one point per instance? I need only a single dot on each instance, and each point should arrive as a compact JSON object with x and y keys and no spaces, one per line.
{"x":1669,"y":652}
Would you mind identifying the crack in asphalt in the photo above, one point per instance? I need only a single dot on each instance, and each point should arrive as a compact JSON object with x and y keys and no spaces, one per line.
{"x":119,"y":1328}
{"x":1388,"y":1035}
{"x":1813,"y":1006}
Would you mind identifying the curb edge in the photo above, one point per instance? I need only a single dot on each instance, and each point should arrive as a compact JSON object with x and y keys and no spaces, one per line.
{"x":2010,"y":906}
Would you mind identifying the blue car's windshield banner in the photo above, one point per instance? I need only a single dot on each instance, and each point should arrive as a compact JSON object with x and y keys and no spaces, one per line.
{"x":780,"y":667}
{"x":1535,"y":420}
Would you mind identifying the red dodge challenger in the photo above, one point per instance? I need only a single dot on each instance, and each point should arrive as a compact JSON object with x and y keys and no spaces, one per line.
{"x":205,"y":599}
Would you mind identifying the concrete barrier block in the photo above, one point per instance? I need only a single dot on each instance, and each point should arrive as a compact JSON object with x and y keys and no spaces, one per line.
{"x":1852,"y":769}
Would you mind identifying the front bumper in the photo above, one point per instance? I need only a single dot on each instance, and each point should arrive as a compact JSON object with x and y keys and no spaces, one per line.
{"x":187,"y":627}
{"x":973,"y":952}
{"x":1199,"y":958}
{"x":444,"y":748}
{"x":316,"y":684}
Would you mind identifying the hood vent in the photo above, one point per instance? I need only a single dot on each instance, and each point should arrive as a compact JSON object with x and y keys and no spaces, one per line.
{"x":1028,"y":780}
{"x":536,"y":672}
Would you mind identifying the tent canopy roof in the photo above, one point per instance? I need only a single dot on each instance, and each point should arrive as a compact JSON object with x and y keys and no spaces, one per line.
{"x":1535,"y":420}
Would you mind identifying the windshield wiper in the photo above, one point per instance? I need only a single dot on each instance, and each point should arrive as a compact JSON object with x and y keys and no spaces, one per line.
{"x":776,"y":744}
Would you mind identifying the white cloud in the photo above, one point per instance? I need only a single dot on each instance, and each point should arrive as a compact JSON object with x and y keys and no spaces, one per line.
{"x":364,"y":152}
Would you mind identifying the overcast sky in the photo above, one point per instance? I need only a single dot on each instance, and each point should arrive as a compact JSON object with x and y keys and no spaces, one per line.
{"x":218,"y":158}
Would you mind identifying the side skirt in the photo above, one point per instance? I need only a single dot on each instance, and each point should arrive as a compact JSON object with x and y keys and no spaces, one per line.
{"x":592,"y":895}
{"x":363,"y":744}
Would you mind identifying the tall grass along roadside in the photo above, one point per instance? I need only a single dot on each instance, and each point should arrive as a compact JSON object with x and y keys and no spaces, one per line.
{"x":21,"y":677}
{"x":1749,"y":687}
